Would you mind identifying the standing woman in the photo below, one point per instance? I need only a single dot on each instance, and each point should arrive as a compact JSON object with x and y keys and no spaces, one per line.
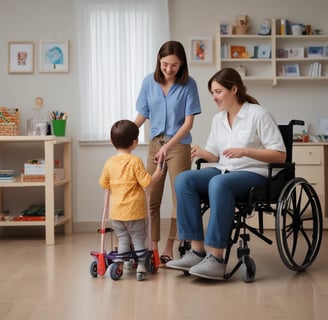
{"x":169,"y":99}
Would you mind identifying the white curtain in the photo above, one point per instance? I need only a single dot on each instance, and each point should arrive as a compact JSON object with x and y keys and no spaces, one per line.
{"x":118,"y":41}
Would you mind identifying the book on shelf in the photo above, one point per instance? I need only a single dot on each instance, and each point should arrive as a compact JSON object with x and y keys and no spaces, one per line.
{"x":8,"y":175}
{"x":315,"y":70}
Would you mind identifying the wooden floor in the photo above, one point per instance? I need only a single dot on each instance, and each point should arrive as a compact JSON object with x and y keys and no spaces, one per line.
{"x":53,"y":282}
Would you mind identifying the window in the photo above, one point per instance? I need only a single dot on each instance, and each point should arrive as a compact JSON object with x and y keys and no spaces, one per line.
{"x":118,"y":41}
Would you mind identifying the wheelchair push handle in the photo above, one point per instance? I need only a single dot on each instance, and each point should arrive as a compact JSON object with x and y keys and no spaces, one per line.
{"x":297,"y":122}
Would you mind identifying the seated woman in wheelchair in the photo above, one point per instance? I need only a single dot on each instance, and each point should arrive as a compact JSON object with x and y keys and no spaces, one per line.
{"x":243,"y":139}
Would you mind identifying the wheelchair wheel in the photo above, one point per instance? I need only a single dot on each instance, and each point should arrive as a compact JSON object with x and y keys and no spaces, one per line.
{"x":298,"y":224}
{"x":248,"y":269}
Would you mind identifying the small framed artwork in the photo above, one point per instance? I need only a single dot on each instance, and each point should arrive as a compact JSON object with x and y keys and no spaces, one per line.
{"x":225,"y":28}
{"x":53,"y":56}
{"x":315,"y":52}
{"x":20,"y":57}
{"x":237,"y":52}
{"x":201,"y":50}
{"x":264,"y":52}
{"x":292,"y":70}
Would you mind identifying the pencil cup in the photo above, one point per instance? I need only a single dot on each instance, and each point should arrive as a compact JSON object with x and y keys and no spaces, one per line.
{"x":59,"y":127}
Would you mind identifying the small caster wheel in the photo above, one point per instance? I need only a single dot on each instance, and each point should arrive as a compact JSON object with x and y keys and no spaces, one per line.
{"x":115,"y":271}
{"x":248,"y":269}
{"x":186,"y":273}
{"x":150,"y":263}
{"x":94,"y":269}
{"x":140,"y":276}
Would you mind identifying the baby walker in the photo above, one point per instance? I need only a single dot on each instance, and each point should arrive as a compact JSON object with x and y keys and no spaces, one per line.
{"x":103,"y":260}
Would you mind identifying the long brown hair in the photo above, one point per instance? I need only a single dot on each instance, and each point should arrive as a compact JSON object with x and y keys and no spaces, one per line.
{"x":229,"y":77}
{"x":177,"y":49}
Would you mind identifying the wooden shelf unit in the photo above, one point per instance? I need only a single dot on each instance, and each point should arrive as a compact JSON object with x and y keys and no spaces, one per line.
{"x":265,"y":70}
{"x":48,"y":143}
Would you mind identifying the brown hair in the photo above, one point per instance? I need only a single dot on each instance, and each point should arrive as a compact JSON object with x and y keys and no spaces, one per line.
{"x":177,"y":49}
{"x":123,"y":133}
{"x":229,"y":77}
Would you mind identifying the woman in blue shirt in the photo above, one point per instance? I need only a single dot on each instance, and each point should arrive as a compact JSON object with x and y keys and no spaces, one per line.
{"x":169,"y":99}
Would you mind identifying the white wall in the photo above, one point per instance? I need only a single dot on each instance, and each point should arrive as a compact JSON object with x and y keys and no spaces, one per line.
{"x":34,"y":20}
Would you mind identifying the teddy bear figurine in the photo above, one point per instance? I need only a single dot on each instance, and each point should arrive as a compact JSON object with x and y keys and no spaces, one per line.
{"x":241,"y":26}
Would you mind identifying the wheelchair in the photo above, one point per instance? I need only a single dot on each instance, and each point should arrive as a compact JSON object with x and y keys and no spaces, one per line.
{"x":295,"y":206}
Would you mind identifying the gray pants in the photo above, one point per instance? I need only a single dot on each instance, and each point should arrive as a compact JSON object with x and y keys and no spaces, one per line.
{"x":129,"y":232}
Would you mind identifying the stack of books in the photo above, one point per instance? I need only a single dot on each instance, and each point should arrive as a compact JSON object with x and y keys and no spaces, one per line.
{"x":315,"y":70}
{"x":8,"y":176}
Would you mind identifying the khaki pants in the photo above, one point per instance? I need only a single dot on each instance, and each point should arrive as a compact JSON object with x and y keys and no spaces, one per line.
{"x":177,"y":161}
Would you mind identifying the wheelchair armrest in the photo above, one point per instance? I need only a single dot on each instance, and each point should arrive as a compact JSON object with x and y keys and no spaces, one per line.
{"x":288,"y":166}
{"x":199,"y":163}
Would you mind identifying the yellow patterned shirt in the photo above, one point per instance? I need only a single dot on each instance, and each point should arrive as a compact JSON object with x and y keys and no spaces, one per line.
{"x":125,"y":176}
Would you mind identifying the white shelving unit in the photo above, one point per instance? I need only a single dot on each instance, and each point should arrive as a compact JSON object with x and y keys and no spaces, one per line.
{"x":49,"y":144}
{"x":266,"y":69}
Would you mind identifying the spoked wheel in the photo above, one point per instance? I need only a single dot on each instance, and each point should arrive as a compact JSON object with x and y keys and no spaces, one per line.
{"x":298,"y":224}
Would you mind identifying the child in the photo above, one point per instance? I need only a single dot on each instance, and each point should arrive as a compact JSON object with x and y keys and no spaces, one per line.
{"x":125,"y":176}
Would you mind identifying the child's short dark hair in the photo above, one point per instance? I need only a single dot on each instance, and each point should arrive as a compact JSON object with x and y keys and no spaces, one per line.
{"x":123,"y":133}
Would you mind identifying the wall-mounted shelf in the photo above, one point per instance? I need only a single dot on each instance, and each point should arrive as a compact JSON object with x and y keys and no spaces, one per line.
{"x":272,"y":69}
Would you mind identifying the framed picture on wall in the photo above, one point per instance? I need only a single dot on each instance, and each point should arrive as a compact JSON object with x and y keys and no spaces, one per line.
{"x":201,"y":51}
{"x":53,"y":56}
{"x":20,"y":57}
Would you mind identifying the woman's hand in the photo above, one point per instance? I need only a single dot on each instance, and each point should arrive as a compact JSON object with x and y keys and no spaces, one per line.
{"x":196,"y":152}
{"x":234,"y":153}
{"x":162,"y":154}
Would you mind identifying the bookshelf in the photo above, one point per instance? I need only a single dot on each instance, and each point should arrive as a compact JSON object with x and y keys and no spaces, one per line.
{"x":274,"y":58}
{"x":9,"y":145}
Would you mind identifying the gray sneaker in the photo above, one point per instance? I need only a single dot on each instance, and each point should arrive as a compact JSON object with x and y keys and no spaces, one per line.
{"x":209,"y":268}
{"x":186,"y":262}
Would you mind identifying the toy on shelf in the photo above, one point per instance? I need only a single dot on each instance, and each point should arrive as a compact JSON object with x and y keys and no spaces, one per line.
{"x":241,"y":26}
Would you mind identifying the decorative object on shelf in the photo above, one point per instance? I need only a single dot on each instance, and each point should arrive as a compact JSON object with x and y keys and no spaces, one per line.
{"x":58,"y":123}
{"x":54,"y":56}
{"x":292,"y":70}
{"x":241,"y":26}
{"x":20,"y":57}
{"x":37,"y":126}
{"x":282,"y":53}
{"x":308,"y":29}
{"x":201,"y":51}
{"x":295,"y":53}
{"x":315,"y":51}
{"x":225,"y":28}
{"x":264,"y":51}
{"x":265,"y":28}
{"x":237,"y":52}
{"x":297,"y":29}
{"x":9,"y":122}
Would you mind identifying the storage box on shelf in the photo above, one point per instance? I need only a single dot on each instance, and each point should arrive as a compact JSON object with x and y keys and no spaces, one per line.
{"x":275,"y":57}
{"x":9,"y":121}
{"x":48,"y":144}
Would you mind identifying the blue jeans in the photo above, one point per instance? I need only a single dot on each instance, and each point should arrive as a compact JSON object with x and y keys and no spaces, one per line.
{"x":222,"y":191}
